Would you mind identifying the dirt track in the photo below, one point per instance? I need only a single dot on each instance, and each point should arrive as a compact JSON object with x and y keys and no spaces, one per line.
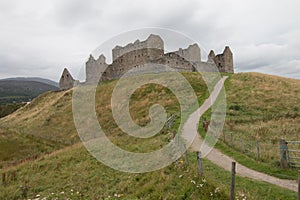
{"x":221,"y":159}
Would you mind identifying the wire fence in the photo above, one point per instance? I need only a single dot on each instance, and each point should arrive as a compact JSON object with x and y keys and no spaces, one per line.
{"x":293,"y":151}
{"x":260,"y":150}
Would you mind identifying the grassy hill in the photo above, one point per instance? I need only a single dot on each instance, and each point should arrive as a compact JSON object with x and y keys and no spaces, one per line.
{"x":46,"y":124}
{"x":49,"y":117}
{"x":261,"y":109}
{"x":263,"y":106}
{"x":12,"y":91}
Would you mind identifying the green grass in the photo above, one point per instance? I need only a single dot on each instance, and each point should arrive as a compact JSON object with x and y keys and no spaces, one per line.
{"x":76,"y":170}
{"x":48,"y":120}
{"x":250,"y":118}
{"x":80,"y":176}
{"x":271,"y":169}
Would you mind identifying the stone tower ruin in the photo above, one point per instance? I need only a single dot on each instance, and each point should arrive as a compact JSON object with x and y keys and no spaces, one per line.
{"x":223,"y":61}
{"x":67,"y":81}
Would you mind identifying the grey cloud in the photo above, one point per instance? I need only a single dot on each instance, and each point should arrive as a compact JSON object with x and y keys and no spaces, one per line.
{"x":42,"y":37}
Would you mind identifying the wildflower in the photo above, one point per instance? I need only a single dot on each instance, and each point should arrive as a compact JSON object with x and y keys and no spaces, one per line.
{"x":180,"y":176}
{"x":217,"y":190}
{"x":192,"y":181}
{"x":211,"y":194}
{"x":62,"y":192}
{"x":203,"y":180}
{"x":37,"y":195}
{"x":201,"y":185}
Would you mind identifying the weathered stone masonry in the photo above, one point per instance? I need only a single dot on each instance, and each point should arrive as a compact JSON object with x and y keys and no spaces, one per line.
{"x":138,"y":54}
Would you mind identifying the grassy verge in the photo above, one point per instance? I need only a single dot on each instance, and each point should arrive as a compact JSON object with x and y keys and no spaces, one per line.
{"x":76,"y":174}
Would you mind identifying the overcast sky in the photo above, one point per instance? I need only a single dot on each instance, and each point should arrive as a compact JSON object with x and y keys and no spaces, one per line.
{"x":40,"y":38}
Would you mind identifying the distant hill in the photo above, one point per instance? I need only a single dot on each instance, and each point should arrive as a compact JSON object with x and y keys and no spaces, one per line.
{"x":36,"y":79}
{"x":17,"y":90}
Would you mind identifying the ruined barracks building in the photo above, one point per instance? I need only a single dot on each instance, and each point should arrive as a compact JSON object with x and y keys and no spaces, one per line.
{"x":138,"y":54}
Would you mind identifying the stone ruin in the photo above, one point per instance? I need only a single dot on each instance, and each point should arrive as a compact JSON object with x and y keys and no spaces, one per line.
{"x":136,"y":55}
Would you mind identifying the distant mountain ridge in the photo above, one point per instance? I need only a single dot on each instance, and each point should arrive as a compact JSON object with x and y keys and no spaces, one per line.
{"x":36,"y":79}
{"x":17,"y":90}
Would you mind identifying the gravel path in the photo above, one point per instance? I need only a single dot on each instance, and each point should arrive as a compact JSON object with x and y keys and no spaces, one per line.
{"x":221,"y":159}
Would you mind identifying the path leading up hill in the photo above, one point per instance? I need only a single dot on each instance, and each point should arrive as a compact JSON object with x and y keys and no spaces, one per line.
{"x":221,"y":159}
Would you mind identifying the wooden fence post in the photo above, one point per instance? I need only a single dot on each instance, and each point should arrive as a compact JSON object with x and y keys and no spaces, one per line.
{"x":232,"y":186}
{"x":257,"y":150}
{"x":186,"y":156}
{"x":299,"y":185}
{"x":243,"y":147}
{"x":283,"y":153}
{"x":200,"y":164}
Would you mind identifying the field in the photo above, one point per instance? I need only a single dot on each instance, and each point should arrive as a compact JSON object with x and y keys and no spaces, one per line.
{"x":65,"y":169}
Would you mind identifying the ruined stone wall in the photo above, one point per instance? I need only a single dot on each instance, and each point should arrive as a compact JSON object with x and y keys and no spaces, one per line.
{"x":138,"y":54}
{"x":176,"y":61}
{"x":131,"y":59}
{"x":152,"y":42}
{"x":192,"y":53}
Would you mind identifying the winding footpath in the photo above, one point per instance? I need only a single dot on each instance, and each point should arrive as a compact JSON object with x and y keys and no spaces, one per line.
{"x":218,"y":157}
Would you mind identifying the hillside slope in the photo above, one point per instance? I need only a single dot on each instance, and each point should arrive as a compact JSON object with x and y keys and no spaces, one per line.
{"x":49,"y":117}
{"x":263,"y":108}
{"x":47,"y":124}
